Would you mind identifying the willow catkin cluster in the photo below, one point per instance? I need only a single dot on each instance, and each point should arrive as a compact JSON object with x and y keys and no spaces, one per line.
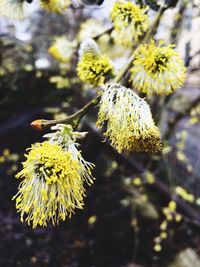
{"x":128,"y":119}
{"x":53,"y":177}
{"x":130,"y":22}
{"x":157,"y":69}
{"x":93,"y":67}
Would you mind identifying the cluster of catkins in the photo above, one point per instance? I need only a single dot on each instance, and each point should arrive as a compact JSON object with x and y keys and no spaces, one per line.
{"x":54,"y":172}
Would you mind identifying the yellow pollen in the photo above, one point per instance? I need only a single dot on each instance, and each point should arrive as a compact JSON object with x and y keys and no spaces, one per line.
{"x":52,"y":186}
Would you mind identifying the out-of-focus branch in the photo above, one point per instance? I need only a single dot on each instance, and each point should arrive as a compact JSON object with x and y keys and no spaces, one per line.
{"x":172,"y":124}
{"x":178,"y":21}
{"x":154,"y":6}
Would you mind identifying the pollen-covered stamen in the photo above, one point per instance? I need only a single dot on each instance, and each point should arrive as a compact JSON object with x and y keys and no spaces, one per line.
{"x":158,"y":64}
{"x":66,"y":138}
{"x":44,"y":171}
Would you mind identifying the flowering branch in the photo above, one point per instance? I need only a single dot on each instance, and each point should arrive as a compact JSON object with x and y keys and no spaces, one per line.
{"x":75,"y":118}
{"x":152,"y":28}
{"x":54,"y":171}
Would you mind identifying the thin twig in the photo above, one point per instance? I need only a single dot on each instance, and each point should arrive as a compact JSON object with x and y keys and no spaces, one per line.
{"x":43,"y":124}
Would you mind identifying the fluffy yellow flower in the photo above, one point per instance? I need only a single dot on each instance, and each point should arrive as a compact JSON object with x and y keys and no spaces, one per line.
{"x":52,"y":186}
{"x":157,"y":69}
{"x":62,"y":49}
{"x":13,"y":9}
{"x":130,"y":126}
{"x":66,"y":138}
{"x":58,"y":6}
{"x":130,"y":22}
{"x":90,"y":28}
{"x":93,"y":67}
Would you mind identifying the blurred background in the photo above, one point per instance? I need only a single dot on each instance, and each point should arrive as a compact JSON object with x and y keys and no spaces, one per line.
{"x":126,"y":211}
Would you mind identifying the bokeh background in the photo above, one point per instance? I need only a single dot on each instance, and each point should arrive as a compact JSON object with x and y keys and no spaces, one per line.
{"x":124,"y":208}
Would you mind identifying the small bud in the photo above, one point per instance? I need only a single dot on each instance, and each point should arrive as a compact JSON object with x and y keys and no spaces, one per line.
{"x":89,"y":46}
{"x":38,"y":125}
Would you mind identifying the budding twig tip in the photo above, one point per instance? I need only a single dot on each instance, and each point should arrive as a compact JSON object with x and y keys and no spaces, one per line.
{"x":38,"y":125}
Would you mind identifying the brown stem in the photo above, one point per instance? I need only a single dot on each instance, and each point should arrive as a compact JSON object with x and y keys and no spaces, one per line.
{"x":178,"y":21}
{"x":43,"y":124}
{"x":154,"y":24}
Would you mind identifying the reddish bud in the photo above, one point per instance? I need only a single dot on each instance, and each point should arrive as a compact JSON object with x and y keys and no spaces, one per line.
{"x":37,"y":125}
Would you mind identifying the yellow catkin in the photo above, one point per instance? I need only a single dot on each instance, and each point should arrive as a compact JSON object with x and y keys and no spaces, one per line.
{"x":130,"y":22}
{"x":93,"y":67}
{"x":52,"y":187}
{"x":157,"y":69}
{"x":130,"y":126}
